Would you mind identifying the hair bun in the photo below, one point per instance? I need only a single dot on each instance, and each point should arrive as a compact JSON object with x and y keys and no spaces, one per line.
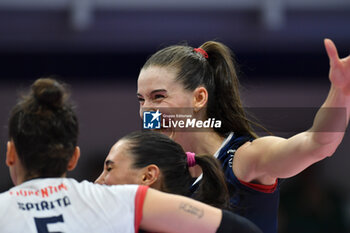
{"x":48,"y":91}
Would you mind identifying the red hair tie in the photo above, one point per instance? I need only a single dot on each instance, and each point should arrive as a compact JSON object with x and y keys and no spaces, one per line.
{"x":201,"y":51}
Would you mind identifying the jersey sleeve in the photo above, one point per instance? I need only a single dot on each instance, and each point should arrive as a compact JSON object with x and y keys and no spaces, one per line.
{"x":139,"y":199}
{"x":111,"y":203}
{"x":251,"y":187}
{"x":260,"y":187}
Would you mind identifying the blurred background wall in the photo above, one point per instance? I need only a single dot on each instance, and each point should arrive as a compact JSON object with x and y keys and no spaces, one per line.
{"x":99,"y":46}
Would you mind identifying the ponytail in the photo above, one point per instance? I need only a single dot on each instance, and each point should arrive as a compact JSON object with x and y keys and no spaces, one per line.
{"x":212,"y":189}
{"x":225,"y":103}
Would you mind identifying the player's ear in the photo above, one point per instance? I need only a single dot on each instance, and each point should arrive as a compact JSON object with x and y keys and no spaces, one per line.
{"x":11,"y":154}
{"x":74,"y":160}
{"x":200,"y":98}
{"x":150,"y":175}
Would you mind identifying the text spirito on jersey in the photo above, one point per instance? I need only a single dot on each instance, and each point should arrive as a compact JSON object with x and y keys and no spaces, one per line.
{"x":44,"y":205}
{"x":42,"y":193}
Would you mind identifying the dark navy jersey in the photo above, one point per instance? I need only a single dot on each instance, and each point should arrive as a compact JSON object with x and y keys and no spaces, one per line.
{"x":259,"y":203}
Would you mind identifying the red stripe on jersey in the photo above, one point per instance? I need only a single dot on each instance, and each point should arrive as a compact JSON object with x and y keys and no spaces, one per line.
{"x":261,"y":187}
{"x":139,"y":199}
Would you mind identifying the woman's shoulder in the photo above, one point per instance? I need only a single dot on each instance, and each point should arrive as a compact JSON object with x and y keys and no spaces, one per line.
{"x":232,"y":143}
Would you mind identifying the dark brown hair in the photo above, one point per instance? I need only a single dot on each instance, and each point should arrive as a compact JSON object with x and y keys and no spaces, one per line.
{"x":44,"y":129}
{"x":149,"y":147}
{"x":217,"y":74}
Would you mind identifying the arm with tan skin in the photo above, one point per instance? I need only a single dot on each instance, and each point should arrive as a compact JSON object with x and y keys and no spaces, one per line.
{"x":168,"y":213}
{"x":172,"y":213}
{"x":268,"y":158}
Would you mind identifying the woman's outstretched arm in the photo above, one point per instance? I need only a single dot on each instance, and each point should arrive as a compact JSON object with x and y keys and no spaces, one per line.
{"x":268,"y":158}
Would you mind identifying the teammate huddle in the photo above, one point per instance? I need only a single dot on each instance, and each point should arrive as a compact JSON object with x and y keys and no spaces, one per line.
{"x":42,"y":147}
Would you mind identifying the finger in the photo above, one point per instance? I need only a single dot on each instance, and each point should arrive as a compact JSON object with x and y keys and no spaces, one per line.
{"x":331,"y":51}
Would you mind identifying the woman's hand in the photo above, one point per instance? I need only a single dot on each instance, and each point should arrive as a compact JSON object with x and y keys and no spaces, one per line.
{"x":339,"y":72}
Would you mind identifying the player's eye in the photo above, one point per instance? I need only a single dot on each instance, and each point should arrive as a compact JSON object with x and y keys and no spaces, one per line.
{"x":140,"y":99}
{"x":108,"y":169}
{"x":158,"y":96}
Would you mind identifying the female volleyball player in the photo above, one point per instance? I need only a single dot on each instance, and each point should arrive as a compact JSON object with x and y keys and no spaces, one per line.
{"x":43,"y":131}
{"x":204,"y":79}
{"x":152,"y":159}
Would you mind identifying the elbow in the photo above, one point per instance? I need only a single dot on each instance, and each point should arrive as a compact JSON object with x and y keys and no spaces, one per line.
{"x":325,"y":144}
{"x":325,"y":151}
{"x":330,"y":150}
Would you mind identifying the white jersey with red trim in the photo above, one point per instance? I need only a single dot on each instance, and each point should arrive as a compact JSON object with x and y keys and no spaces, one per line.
{"x":65,"y":205}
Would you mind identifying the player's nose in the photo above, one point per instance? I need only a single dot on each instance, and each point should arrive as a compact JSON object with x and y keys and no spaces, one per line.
{"x":100,"y":179}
